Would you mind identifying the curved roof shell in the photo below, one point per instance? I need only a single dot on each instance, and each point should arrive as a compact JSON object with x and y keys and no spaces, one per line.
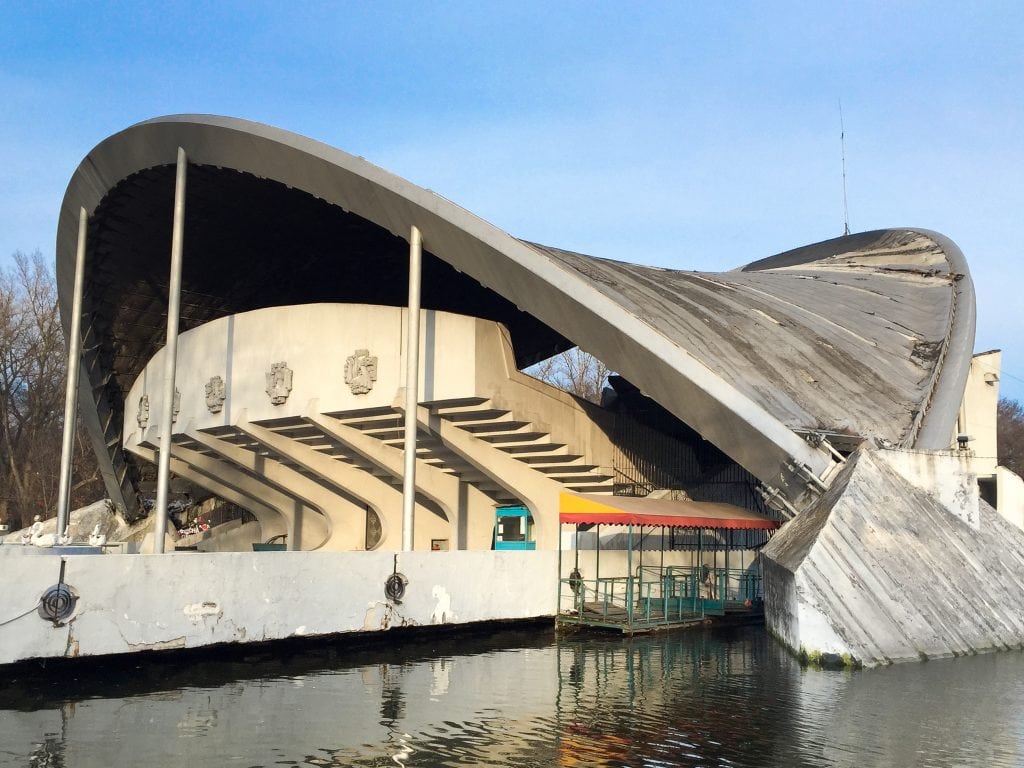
{"x":868,"y":335}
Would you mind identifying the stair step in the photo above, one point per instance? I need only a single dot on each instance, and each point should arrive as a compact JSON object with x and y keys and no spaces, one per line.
{"x":386,"y":433}
{"x":533,"y":448}
{"x":423,"y":448}
{"x":362,"y":413}
{"x":494,"y":426}
{"x":555,"y":458}
{"x":581,"y":479}
{"x":594,"y":488}
{"x":458,"y":403}
{"x":479,"y":414}
{"x":515,"y":437}
{"x":554,"y":470}
{"x":366,"y":425}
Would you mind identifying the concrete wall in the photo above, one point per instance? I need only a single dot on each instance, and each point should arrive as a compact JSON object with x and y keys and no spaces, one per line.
{"x":978,"y":412}
{"x":583,"y":426}
{"x":315,"y":340}
{"x":949,"y":476}
{"x":321,"y":498}
{"x":978,"y":420}
{"x":882,"y":570}
{"x":185,"y":600}
{"x":1010,"y":491}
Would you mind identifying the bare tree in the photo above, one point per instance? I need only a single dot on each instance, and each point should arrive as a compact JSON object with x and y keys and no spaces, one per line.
{"x":575,"y":371}
{"x":32,"y":371}
{"x":1010,"y":435}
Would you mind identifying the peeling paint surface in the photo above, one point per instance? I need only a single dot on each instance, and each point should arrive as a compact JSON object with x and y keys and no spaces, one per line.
{"x":199,"y":612}
{"x":882,"y":570}
{"x":153,"y":602}
{"x":443,"y":609}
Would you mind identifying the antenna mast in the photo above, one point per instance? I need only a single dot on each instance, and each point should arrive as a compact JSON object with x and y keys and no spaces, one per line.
{"x":842,"y":145}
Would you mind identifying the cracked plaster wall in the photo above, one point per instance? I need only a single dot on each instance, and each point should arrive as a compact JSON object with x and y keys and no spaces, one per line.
{"x":186,"y":600}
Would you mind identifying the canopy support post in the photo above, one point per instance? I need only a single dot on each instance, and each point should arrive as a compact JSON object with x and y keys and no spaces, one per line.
{"x":412,"y":383}
{"x":629,"y":576}
{"x":728,"y":546}
{"x":71,"y":392}
{"x":170,"y":355}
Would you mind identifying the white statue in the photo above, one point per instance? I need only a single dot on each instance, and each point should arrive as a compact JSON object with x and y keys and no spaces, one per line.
{"x":36,"y":536}
{"x":64,"y":538}
{"x":97,"y":538}
{"x":35,"y":530}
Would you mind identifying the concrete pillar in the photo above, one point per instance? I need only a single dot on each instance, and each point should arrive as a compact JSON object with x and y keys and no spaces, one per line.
{"x":412,"y":378}
{"x":171,"y":353}
{"x":71,"y":392}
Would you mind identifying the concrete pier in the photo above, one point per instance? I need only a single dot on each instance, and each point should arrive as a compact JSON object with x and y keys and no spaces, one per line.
{"x":899,"y":560}
{"x":132,"y":603}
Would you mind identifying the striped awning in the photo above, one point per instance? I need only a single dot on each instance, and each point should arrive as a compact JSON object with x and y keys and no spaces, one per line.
{"x":630,"y":510}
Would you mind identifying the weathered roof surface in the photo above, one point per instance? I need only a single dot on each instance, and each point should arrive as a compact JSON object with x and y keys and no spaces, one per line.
{"x":845,"y":336}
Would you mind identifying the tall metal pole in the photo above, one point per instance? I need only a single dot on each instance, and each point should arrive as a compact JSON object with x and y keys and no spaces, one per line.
{"x":629,"y":575}
{"x":71,"y":392}
{"x":170,"y":355}
{"x":412,"y":379}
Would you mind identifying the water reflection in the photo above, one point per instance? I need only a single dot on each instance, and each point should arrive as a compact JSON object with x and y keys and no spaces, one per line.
{"x":523,"y":699}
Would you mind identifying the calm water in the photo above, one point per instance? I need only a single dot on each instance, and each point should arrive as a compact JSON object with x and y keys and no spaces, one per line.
{"x":725,"y":698}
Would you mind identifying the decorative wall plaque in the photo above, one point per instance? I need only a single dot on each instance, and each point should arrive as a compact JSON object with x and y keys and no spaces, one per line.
{"x":143,"y":415}
{"x":279,"y":382}
{"x":361,"y":371}
{"x":215,"y":394}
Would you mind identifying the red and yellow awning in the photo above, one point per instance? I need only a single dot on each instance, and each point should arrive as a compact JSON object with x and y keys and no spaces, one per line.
{"x":630,"y":510}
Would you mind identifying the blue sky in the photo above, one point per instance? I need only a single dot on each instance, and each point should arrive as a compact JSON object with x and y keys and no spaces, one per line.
{"x":696,"y":136}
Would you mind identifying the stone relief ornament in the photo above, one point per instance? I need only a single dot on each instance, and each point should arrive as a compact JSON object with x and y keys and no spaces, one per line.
{"x":361,"y":371}
{"x":279,"y":382}
{"x":143,"y":415}
{"x":175,"y":405}
{"x":215,"y":394}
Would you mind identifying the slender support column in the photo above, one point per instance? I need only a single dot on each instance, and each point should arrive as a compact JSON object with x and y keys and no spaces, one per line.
{"x":170,"y":355}
{"x":629,"y":575}
{"x":71,"y":393}
{"x":412,"y":379}
{"x":558,"y":580}
{"x":728,"y":546}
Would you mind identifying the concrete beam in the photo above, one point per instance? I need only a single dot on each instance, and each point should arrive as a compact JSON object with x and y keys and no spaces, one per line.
{"x":273,"y":522}
{"x":372,"y":491}
{"x":539,"y":493}
{"x":345,"y":519}
{"x":469,"y":509}
{"x":307,"y":527}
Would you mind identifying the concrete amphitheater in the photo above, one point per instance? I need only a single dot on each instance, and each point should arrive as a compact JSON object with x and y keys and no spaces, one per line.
{"x":830,"y":388}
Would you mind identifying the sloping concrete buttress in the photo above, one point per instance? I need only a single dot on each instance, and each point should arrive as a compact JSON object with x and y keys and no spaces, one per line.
{"x":881,"y":570}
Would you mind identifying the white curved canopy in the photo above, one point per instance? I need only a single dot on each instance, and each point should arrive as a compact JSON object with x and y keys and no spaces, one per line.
{"x":868,"y":335}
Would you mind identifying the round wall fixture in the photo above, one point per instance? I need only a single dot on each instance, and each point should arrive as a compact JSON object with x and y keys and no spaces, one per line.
{"x":58,"y":603}
{"x":394,"y":587}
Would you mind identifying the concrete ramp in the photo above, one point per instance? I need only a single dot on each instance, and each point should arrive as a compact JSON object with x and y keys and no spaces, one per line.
{"x":880,"y":570}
